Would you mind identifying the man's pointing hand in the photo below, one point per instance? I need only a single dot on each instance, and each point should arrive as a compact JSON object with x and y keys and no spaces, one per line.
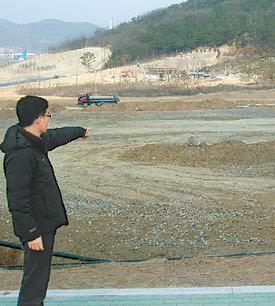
{"x":87,"y":134}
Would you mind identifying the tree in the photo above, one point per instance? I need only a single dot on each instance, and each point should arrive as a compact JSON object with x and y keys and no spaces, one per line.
{"x":186,"y":26}
{"x":87,"y":60}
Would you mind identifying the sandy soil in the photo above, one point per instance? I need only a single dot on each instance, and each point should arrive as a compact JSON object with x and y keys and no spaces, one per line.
{"x":68,"y":66}
{"x":134,"y":191}
{"x":62,"y":64}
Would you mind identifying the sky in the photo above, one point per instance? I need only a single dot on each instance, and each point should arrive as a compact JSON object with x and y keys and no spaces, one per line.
{"x":98,"y":12}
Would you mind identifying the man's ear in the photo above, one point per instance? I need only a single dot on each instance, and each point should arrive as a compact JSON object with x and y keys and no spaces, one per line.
{"x":37,"y":120}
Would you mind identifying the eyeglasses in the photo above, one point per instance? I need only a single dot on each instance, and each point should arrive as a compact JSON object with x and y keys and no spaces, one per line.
{"x":49,"y":116}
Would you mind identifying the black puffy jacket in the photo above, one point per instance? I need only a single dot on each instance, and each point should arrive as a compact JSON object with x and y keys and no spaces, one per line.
{"x":34,"y":198}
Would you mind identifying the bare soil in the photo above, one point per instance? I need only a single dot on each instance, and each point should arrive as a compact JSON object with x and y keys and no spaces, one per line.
{"x":68,"y":70}
{"x":158,"y":273}
{"x":135,"y":191}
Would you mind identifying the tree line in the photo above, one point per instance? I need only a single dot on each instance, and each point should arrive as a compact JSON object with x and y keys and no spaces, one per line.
{"x":186,"y":26}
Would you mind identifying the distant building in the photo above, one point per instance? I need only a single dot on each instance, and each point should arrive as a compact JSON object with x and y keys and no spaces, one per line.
{"x":24,"y":54}
{"x":163,"y":73}
{"x":200,"y":74}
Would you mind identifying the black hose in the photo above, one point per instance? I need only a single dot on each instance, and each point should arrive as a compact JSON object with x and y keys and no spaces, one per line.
{"x":53,"y":264}
{"x":11,"y":245}
{"x":90,"y":260}
{"x":57,"y":254}
{"x":78,"y":257}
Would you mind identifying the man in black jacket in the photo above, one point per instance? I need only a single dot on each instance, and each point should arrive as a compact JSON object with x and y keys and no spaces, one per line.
{"x":34,"y":198}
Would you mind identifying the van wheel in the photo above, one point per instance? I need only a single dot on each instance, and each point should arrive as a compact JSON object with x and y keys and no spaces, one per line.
{"x":85,"y":105}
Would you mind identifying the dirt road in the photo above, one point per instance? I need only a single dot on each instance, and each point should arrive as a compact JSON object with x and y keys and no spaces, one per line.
{"x":134,"y":190}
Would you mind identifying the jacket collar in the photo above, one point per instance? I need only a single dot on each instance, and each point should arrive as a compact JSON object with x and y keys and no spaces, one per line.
{"x":36,"y":141}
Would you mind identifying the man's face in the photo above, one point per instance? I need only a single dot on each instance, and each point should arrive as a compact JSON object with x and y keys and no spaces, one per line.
{"x":44,"y":121}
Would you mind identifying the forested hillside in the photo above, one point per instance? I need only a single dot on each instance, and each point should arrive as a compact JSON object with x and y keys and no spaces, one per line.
{"x":186,"y":26}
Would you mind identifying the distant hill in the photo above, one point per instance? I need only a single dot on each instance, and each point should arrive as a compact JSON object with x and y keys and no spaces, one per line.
{"x":187,"y":26}
{"x":39,"y":36}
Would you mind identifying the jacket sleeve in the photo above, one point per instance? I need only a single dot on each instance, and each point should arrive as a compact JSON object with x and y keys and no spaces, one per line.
{"x":62,"y":136}
{"x":19,"y":167}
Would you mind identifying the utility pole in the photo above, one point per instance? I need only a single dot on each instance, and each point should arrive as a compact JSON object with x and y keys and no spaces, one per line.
{"x":95,"y":82}
{"x":111,"y":23}
{"x":76,"y":77}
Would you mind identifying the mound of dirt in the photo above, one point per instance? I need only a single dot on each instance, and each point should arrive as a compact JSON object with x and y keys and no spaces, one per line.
{"x":60,"y":64}
{"x":221,"y":154}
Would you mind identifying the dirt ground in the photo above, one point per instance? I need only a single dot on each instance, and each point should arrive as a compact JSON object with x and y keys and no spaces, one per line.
{"x":134,"y":190}
{"x":158,"y":273}
{"x":67,"y":66}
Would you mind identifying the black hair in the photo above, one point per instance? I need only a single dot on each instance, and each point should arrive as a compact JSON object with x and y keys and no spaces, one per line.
{"x":30,"y":108}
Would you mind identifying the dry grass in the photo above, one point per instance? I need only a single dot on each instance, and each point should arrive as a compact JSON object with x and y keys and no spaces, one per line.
{"x":137,"y":89}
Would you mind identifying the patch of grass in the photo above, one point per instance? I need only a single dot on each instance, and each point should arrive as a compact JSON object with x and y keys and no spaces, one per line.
{"x":138,"y":89}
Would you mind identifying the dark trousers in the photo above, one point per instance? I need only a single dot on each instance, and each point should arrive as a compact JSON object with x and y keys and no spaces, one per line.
{"x":37,"y":267}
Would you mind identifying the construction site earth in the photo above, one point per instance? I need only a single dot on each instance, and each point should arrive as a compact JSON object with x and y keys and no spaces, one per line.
{"x":136,"y":190}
